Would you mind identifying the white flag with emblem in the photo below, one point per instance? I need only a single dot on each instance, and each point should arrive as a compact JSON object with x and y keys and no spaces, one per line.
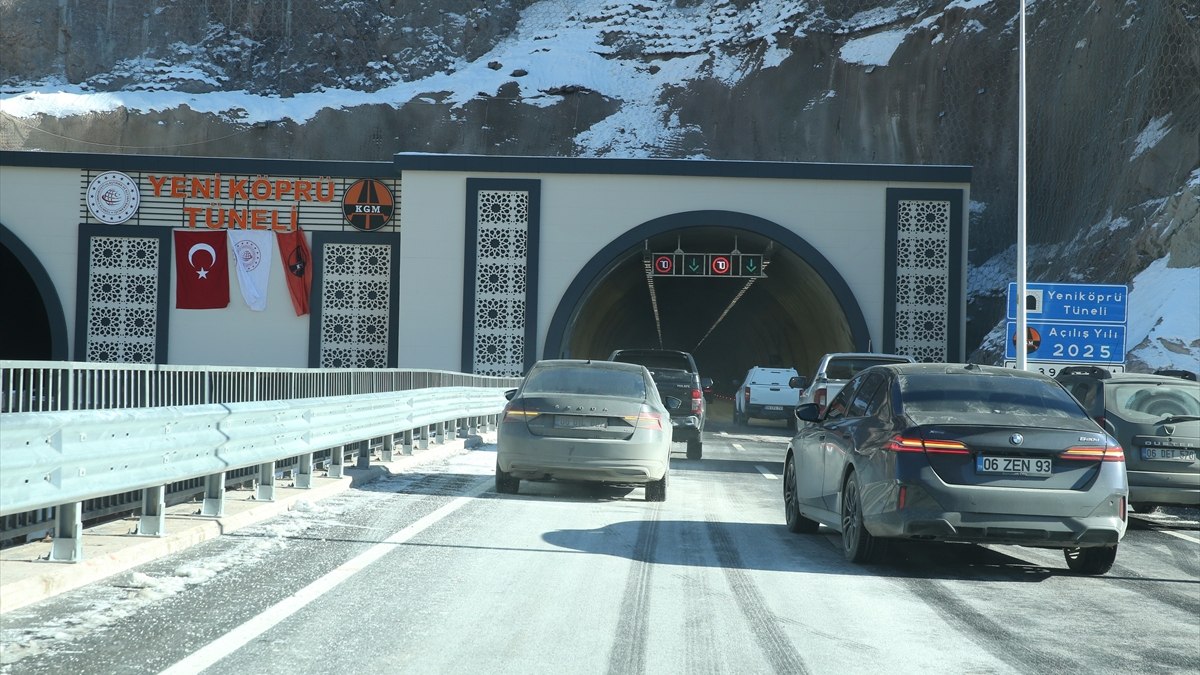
{"x":252,"y":251}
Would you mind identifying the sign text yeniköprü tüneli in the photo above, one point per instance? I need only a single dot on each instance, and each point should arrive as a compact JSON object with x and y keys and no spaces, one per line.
{"x":217,"y":189}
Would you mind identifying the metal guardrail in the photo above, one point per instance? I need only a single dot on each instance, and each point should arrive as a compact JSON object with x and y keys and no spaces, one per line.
{"x":60,"y":459}
{"x":43,"y":386}
{"x":79,"y":401}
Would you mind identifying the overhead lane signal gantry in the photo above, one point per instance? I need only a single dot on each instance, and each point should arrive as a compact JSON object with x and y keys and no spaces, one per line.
{"x":729,"y":265}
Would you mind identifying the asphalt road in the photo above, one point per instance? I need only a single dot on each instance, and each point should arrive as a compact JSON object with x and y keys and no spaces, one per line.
{"x":433,"y":572}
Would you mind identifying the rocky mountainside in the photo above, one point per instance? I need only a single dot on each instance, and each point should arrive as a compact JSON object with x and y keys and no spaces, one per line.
{"x":1113,"y":97}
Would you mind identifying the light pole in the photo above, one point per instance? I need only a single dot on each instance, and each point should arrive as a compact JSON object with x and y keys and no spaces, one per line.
{"x":1021,"y":332}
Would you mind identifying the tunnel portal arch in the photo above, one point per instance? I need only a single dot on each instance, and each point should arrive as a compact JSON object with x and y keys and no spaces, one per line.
{"x":30,"y":300}
{"x":770,"y":329}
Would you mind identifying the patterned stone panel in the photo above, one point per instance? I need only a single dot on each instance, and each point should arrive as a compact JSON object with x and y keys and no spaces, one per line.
{"x":500,"y":284}
{"x":355,"y":305}
{"x":122,"y":300}
{"x":923,"y":284}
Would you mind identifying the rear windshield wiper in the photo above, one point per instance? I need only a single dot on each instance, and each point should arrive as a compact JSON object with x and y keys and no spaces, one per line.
{"x":1174,"y":419}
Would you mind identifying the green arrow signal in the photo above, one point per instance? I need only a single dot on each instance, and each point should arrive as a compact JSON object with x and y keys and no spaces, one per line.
{"x":750,"y":266}
{"x":693,"y":267}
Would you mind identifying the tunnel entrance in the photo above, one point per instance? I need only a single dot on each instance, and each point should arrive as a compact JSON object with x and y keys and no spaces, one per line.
{"x":799,"y":311}
{"x":37,"y":329}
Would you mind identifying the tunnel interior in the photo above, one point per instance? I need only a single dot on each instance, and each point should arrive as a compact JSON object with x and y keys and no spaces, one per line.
{"x":30,"y":338}
{"x":730,"y":324}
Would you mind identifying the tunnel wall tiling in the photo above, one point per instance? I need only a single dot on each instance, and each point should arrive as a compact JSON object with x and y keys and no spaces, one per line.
{"x":924,"y":276}
{"x":500,"y":284}
{"x":357,"y":303}
{"x":121,"y":297}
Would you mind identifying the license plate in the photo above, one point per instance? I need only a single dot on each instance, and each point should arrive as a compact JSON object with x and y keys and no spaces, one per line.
{"x":1017,"y":466}
{"x":774,"y":407}
{"x":578,"y":421}
{"x":1169,"y":454}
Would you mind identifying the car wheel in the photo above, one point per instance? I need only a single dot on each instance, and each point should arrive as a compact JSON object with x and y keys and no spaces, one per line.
{"x":1093,"y":560}
{"x":737,"y":419}
{"x":656,"y":491}
{"x":858,"y":545}
{"x":694,"y":449}
{"x":506,"y":484}
{"x":791,"y":508}
{"x":1142,"y":507}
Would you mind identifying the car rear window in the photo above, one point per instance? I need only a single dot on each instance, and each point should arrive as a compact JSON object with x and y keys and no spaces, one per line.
{"x":774,"y":376}
{"x":846,"y":368}
{"x":954,"y":394}
{"x":586,"y":381}
{"x":1149,"y":402}
{"x":654,"y":361}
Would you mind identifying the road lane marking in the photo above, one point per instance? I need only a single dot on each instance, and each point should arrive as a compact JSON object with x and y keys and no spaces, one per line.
{"x":1180,"y":535}
{"x":766,"y":472}
{"x":738,"y":447}
{"x":237,"y":638}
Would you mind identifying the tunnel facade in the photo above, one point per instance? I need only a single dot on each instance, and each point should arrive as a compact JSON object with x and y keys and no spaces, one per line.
{"x":558,"y":258}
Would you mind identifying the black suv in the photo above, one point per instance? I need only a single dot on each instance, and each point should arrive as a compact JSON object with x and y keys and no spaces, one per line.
{"x":1156,"y":419}
{"x":679,"y":386}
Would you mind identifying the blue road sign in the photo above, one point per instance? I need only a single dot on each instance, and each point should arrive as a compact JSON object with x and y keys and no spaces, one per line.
{"x":1085,"y":303}
{"x":1074,"y":342}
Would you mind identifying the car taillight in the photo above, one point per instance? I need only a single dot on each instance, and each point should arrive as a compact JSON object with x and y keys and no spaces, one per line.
{"x":646,"y":420}
{"x":1112,"y":452}
{"x":746,"y":395}
{"x":517,"y":414}
{"x":697,"y":399}
{"x":902,"y":497}
{"x":900,"y":443}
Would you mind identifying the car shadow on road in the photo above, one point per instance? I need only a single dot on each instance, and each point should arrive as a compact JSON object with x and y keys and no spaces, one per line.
{"x":758,"y":546}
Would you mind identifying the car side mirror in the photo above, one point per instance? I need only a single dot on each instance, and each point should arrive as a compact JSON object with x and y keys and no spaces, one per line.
{"x":706,"y":383}
{"x":798,"y":382}
{"x":509,"y":394}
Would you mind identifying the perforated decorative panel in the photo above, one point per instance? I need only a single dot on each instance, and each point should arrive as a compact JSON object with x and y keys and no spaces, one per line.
{"x":500,"y":284}
{"x":122,"y":300}
{"x":923,"y":281}
{"x":355,"y":305}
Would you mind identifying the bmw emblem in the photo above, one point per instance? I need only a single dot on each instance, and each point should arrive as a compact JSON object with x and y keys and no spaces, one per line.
{"x":1016,"y":439}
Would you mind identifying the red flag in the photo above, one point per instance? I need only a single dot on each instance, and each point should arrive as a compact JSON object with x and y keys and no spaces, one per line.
{"x":201,"y":270}
{"x":297,"y":267}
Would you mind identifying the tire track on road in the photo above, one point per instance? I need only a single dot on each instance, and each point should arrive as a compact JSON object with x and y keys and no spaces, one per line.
{"x":764,"y":625}
{"x":995,"y":638}
{"x":628,"y":653}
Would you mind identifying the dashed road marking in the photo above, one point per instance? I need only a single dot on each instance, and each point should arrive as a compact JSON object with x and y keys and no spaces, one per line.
{"x":766,"y":472}
{"x":738,"y":447}
{"x":1180,"y":535}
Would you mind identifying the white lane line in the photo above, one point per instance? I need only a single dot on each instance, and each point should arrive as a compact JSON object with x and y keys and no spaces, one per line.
{"x":738,"y":447}
{"x":766,"y":472}
{"x":237,"y":638}
{"x":1180,"y":535}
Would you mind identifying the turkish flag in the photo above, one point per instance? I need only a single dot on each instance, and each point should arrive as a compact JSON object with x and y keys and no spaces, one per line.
{"x":201,"y":270}
{"x":297,"y":267}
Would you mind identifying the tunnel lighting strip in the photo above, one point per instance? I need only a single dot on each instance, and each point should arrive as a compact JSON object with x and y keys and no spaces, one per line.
{"x":734,"y":301}
{"x":648,"y":264}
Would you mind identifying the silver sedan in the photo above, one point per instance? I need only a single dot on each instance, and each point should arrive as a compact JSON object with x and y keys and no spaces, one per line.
{"x":597,"y":421}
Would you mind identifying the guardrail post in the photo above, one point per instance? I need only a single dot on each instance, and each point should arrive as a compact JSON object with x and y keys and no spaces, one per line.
{"x":214,"y":495}
{"x":389,"y":444}
{"x":439,"y":431}
{"x":68,"y":533}
{"x":337,"y":461}
{"x":266,"y":482}
{"x":364,"y":455}
{"x":423,"y":440}
{"x":407,"y":448}
{"x":304,"y":472}
{"x":153,"y":521}
{"x":452,"y":428}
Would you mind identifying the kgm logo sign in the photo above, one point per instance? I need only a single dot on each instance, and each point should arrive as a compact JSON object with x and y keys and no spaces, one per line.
{"x":367,"y":205}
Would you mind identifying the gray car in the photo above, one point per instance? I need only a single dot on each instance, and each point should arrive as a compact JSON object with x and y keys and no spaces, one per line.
{"x":1157,"y":420}
{"x":597,"y":421}
{"x":961,"y":453}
